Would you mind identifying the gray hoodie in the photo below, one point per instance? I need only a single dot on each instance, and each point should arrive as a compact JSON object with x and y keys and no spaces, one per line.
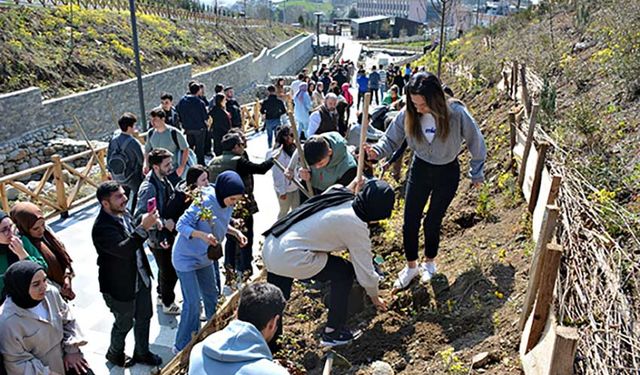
{"x":463,"y":128}
{"x":238,"y":349}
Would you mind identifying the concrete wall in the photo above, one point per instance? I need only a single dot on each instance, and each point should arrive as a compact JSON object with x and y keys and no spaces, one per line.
{"x":24,"y":116}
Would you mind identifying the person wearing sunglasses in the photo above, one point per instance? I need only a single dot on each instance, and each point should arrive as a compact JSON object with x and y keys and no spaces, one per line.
{"x":12,"y":248}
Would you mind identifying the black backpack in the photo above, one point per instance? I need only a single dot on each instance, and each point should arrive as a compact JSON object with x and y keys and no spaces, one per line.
{"x":118,"y":164}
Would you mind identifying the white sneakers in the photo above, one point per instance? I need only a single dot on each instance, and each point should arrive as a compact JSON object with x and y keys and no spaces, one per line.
{"x":425,"y":270}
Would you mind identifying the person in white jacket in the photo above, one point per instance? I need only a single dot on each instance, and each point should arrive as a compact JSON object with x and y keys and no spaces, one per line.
{"x":288,"y":195}
{"x":299,"y":246}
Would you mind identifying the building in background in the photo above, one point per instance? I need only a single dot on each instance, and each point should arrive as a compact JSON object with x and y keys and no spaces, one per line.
{"x":384,"y":27}
{"x":421,"y":11}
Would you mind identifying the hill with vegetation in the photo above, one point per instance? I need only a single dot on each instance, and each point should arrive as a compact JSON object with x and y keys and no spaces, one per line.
{"x":69,"y":49}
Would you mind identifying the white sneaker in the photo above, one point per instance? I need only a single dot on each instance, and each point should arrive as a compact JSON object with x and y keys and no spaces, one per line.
{"x":405,"y":276}
{"x":172,"y":309}
{"x":427,"y":270}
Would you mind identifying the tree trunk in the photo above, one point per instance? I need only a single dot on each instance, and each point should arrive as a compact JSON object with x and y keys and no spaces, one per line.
{"x":443,"y":17}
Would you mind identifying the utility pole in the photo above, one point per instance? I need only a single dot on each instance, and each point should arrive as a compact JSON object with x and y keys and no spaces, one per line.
{"x":477,"y":12}
{"x":318,"y":15}
{"x":136,"y":52}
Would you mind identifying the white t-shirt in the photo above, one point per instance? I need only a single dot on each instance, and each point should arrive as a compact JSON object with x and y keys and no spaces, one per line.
{"x":428,"y":124}
{"x":41,"y":311}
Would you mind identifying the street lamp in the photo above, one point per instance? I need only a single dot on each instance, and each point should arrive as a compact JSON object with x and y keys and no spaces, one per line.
{"x":318,"y":15}
{"x":136,"y":52}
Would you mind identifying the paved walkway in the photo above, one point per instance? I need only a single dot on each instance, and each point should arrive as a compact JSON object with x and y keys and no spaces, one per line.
{"x":89,"y":307}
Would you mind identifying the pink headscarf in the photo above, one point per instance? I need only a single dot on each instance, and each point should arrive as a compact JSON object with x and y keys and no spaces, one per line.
{"x":347,"y":95}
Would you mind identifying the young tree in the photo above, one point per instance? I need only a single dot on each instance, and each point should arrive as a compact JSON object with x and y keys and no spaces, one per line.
{"x":444,"y":10}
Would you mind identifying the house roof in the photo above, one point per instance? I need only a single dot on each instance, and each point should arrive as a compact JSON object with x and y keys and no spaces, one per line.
{"x":370,"y":19}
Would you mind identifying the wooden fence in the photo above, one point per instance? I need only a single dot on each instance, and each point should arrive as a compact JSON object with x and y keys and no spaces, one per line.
{"x":545,"y":347}
{"x":63,"y":199}
{"x":153,"y":7}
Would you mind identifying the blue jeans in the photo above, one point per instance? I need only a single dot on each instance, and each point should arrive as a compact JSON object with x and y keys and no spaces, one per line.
{"x":195,"y":284}
{"x":383,"y":90}
{"x":271,"y":128}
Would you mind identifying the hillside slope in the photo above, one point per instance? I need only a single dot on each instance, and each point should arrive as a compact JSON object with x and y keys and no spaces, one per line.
{"x":68,"y":49}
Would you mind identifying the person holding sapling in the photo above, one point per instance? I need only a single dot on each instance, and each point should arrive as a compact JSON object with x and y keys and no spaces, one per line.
{"x":200,"y":229}
{"x":435,"y":128}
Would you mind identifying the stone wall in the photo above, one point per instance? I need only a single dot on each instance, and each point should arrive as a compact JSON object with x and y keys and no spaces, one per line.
{"x":28,"y":124}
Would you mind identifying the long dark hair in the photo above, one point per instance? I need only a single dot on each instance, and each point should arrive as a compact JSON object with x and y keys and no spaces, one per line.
{"x":429,"y":87}
{"x":219,"y":98}
{"x":193,"y":173}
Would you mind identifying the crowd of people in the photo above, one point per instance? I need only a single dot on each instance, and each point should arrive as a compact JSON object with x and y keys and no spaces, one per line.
{"x":187,"y":195}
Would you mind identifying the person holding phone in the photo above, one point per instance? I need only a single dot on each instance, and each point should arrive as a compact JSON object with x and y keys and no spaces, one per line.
{"x":203,"y":224}
{"x":124,"y":273}
{"x":12,"y":248}
{"x":156,"y":192}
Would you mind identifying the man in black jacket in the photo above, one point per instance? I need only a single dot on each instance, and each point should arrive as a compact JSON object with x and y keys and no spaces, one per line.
{"x":170,"y":114}
{"x":272,"y":108}
{"x":124,"y":274}
{"x":193,"y":114}
{"x":233,"y":107}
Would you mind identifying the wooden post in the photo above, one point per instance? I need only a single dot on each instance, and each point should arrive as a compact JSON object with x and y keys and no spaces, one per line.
{"x":296,"y":138}
{"x":564,"y":351}
{"x":363,"y":136}
{"x":549,"y":273}
{"x":3,"y":196}
{"x":61,"y":195}
{"x":549,"y":221}
{"x":527,"y":145}
{"x":537,"y":177}
{"x":526,"y":100}
{"x":555,"y":189}
{"x":514,"y":80}
{"x":256,"y":115}
{"x":245,"y":118}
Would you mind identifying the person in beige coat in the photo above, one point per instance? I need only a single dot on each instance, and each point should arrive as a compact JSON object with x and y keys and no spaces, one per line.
{"x":38,"y":334}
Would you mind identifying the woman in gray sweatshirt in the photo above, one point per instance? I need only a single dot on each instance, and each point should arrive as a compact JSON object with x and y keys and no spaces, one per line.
{"x":434,"y":128}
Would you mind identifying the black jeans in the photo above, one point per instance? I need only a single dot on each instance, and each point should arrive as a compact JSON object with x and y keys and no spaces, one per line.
{"x":244,"y":255}
{"x":374,"y":94}
{"x":167,"y":277}
{"x":360,"y":98}
{"x":132,"y":194}
{"x":441,"y":183}
{"x":337,"y":270}
{"x":196,"y":140}
{"x":208,"y":142}
{"x":134,"y":314}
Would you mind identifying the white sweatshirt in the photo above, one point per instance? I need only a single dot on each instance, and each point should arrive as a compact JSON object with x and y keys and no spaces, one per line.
{"x":302,"y":251}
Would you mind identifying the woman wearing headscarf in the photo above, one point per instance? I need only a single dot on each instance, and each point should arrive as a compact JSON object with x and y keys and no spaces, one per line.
{"x":299,"y":246}
{"x":13,"y":249}
{"x":33,"y":229}
{"x":204,"y":224}
{"x":38,"y":334}
{"x":302,"y":107}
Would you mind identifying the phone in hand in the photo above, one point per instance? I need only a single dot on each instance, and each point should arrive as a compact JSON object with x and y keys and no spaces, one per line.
{"x":151,"y":204}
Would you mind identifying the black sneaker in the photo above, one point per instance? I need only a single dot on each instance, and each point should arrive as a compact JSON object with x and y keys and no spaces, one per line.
{"x":338,"y":337}
{"x":121,"y":360}
{"x":149,"y":359}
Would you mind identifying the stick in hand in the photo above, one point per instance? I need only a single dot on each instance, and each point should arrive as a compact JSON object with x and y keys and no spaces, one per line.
{"x":363,"y":135}
{"x":296,"y":138}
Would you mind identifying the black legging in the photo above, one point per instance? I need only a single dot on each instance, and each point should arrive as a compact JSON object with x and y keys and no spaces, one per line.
{"x":337,"y":270}
{"x":441,"y":183}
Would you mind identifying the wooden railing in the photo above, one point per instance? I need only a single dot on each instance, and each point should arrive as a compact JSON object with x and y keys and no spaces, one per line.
{"x":65,"y":198}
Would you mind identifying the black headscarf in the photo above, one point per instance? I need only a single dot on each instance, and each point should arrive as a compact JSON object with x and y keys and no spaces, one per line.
{"x":228,"y":183}
{"x":375,"y":201}
{"x":17,"y":281}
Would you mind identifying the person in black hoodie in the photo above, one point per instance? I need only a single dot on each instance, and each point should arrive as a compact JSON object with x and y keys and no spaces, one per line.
{"x":272,"y":108}
{"x":221,"y":122}
{"x":171,"y":116}
{"x":193,"y":113}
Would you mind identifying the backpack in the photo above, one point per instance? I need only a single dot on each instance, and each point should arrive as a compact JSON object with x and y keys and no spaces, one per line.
{"x":376,"y":117}
{"x":191,"y":161}
{"x":119,"y":166}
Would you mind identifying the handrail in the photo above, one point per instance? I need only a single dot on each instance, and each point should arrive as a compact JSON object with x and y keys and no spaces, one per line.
{"x":68,"y":198}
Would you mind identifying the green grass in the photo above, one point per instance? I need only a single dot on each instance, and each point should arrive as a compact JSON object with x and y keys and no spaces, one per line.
{"x":309,"y":6}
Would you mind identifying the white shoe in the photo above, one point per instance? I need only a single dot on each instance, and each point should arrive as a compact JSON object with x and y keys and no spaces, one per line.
{"x":405,"y":276}
{"x":172,"y":309}
{"x":427,"y":270}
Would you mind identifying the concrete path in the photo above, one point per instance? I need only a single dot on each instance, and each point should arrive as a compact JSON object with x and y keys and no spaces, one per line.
{"x":89,"y":308}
